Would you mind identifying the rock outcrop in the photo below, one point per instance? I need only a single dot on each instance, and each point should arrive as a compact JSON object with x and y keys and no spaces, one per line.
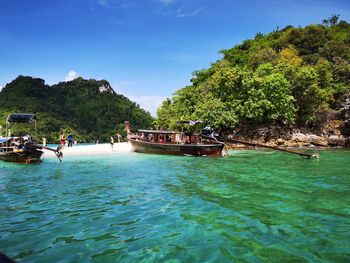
{"x":317,"y":140}
{"x":336,"y":140}
{"x":330,"y":136}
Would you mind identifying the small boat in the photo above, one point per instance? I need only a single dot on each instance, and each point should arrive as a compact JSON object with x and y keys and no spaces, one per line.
{"x":172,"y":143}
{"x":19,"y":150}
{"x":22,"y":149}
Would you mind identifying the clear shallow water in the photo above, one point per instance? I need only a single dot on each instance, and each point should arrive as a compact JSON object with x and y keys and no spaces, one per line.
{"x":253,"y":206}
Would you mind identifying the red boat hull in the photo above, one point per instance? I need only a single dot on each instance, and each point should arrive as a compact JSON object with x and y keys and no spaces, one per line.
{"x":177,"y":149}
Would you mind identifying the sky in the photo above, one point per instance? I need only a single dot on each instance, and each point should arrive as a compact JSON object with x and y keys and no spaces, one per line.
{"x":146,"y":49}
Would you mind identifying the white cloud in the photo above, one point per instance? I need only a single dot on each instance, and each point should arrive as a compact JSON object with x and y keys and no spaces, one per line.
{"x":128,"y":4}
{"x":166,"y":2}
{"x":71,"y":76}
{"x":180,"y":12}
{"x":148,"y":103}
{"x":1,"y":87}
{"x":103,"y":3}
{"x":125,"y":4}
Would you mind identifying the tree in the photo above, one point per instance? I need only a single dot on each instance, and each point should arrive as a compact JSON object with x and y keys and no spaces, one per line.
{"x":268,"y":97}
{"x":212,"y":111}
{"x":286,"y":76}
{"x":308,"y":94}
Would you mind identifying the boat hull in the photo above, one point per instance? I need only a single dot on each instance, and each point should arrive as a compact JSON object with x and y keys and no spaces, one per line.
{"x":22,"y":157}
{"x":177,"y":149}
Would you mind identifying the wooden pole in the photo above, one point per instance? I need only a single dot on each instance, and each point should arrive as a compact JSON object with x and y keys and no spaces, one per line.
{"x":261,"y":145}
{"x":57,"y":151}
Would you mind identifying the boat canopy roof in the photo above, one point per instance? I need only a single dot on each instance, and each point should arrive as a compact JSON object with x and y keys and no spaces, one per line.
{"x":5,"y":139}
{"x":21,"y":118}
{"x":158,"y":131}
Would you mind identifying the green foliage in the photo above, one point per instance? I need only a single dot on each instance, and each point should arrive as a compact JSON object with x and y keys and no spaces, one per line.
{"x":88,"y":109}
{"x":307,"y":93}
{"x":268,"y":97}
{"x":215,"y":112}
{"x":286,"y":76}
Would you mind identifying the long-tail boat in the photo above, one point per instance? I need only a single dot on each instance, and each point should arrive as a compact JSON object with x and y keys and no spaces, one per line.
{"x":22,"y":149}
{"x":172,"y":142}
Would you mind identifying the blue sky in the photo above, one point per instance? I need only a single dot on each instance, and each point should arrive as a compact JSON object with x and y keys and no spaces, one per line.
{"x":146,"y":49}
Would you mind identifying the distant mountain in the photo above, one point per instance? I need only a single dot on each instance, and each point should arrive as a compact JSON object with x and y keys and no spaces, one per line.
{"x":90,"y":109}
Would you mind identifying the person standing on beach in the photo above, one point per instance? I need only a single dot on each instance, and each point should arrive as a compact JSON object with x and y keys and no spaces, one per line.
{"x":119,"y":137}
{"x":112,"y":142}
{"x":70,"y":140}
{"x":63,"y":139}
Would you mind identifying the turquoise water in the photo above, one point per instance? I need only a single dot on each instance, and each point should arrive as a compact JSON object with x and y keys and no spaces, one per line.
{"x":253,"y":206}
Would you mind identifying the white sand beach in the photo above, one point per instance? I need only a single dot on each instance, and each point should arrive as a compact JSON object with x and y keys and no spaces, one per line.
{"x":90,"y":150}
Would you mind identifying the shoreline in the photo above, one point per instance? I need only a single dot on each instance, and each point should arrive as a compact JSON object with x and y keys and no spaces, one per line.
{"x":125,"y":147}
{"x":91,"y":150}
{"x":294,"y":140}
{"x":233,"y":146}
{"x":301,"y":147}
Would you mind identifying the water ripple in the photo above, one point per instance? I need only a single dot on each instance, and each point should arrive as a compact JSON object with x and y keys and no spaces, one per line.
{"x":254,"y":206}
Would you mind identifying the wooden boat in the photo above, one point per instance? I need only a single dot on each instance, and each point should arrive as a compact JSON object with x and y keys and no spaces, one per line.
{"x":21,"y":149}
{"x":172,"y":143}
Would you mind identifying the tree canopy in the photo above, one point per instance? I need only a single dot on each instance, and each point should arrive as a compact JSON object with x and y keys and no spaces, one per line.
{"x":284,"y":77}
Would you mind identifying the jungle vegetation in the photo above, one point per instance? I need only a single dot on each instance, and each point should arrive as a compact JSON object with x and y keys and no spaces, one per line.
{"x":89,"y":109}
{"x":285,"y":77}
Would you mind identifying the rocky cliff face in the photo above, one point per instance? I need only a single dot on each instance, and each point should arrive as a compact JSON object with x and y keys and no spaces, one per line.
{"x":334,"y":133}
{"x":105,"y":87}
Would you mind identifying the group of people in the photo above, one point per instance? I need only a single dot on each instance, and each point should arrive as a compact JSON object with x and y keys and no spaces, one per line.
{"x":69,"y":139}
{"x":179,"y":138}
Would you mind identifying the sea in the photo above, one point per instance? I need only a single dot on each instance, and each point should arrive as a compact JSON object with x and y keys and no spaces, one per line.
{"x":250,"y":206}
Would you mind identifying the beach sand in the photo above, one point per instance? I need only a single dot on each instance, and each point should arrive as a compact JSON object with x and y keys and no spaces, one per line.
{"x":91,"y":150}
